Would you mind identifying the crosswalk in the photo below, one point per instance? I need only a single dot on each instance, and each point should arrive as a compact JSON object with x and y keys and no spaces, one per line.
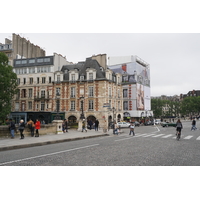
{"x":161,"y":135}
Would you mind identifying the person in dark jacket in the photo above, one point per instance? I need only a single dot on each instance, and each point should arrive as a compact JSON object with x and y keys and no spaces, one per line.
{"x":96,"y":124}
{"x":21,"y":128}
{"x":11,"y":126}
{"x":179,"y":127}
{"x":193,"y":125}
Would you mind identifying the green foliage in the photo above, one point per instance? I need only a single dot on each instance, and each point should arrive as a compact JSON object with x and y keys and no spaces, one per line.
{"x":156,"y":106}
{"x":8,"y":86}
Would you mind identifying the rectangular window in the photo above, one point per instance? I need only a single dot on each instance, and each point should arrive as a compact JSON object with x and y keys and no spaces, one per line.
{"x":24,"y":81}
{"x":42,"y":93}
{"x":43,"y":80}
{"x":73,"y":92}
{"x":38,"y":80}
{"x":90,"y":76}
{"x":30,"y":105}
{"x":23,"y":93}
{"x":58,"y":78}
{"x":31,"y":80}
{"x":72,"y":105}
{"x":49,"y":79}
{"x":38,"y":70}
{"x":24,"y":61}
{"x":73,"y":77}
{"x":32,"y":61}
{"x":46,"y":59}
{"x":109,"y":91}
{"x":18,"y":62}
{"x":81,"y":78}
{"x":91,"y":91}
{"x":91,"y":104}
{"x":30,"y":92}
{"x":125,"y":93}
{"x":42,"y":106}
{"x":125,"y":105}
{"x":18,"y":81}
{"x":17,"y":106}
{"x":58,"y":91}
{"x":39,"y":60}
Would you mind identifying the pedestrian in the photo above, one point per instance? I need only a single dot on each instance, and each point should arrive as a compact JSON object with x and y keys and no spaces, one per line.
{"x":31,"y":126}
{"x":37,"y":127}
{"x":11,"y":126}
{"x":21,"y":128}
{"x":84,"y":126}
{"x":66,"y":125}
{"x":193,"y":125}
{"x":116,"y":129}
{"x":96,"y":126}
{"x":132,"y":129}
{"x":63,"y":126}
{"x":179,"y":127}
{"x":90,"y":123}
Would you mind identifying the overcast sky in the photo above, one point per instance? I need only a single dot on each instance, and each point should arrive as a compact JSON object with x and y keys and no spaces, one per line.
{"x":165,"y":34}
{"x":174,"y":58}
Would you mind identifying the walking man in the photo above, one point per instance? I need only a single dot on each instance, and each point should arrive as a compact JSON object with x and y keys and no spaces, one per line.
{"x":12,"y":128}
{"x":193,"y":125}
{"x":132,"y":129}
{"x":96,"y":124}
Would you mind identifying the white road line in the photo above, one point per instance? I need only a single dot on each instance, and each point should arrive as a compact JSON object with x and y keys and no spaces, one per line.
{"x":149,"y":135}
{"x":198,"y":138}
{"x":188,"y":137}
{"x":49,"y":154}
{"x":166,"y":136}
{"x":158,"y":135}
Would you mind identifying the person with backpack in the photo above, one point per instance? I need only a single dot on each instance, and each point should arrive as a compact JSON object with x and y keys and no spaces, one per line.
{"x":179,"y":127}
{"x":21,"y":128}
{"x":12,"y":128}
{"x":31,"y":126}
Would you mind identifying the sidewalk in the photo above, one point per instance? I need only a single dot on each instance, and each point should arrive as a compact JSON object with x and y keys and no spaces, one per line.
{"x":16,"y":143}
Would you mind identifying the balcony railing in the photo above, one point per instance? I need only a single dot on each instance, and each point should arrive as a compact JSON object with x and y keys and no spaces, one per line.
{"x":42,"y":97}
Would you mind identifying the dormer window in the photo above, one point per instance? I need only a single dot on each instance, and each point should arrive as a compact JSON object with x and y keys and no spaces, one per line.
{"x":81,"y":78}
{"x":90,"y":76}
{"x":66,"y":71}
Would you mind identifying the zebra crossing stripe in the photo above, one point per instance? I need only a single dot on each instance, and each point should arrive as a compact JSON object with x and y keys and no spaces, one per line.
{"x":148,"y":135}
{"x":158,"y":135}
{"x":166,"y":136}
{"x":188,"y":137}
{"x":198,"y":138}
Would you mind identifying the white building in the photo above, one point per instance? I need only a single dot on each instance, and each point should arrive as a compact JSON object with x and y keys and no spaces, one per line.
{"x":136,"y":85}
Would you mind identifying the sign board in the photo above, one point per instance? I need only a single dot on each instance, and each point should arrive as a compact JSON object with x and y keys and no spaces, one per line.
{"x":106,"y":105}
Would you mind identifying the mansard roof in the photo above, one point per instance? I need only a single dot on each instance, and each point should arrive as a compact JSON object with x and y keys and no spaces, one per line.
{"x":82,"y":67}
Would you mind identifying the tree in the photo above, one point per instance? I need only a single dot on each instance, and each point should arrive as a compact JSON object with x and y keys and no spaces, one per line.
{"x":156,"y":106}
{"x":8,"y":86}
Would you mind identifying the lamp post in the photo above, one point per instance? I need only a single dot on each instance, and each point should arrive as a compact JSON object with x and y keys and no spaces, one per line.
{"x":82,"y":114}
{"x":57,"y":106}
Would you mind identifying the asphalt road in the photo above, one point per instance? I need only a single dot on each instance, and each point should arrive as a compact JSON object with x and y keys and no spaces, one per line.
{"x":151,"y":146}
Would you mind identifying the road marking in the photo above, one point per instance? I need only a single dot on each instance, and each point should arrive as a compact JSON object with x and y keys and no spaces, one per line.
{"x":149,"y":135}
{"x":166,"y":136}
{"x":198,"y":138}
{"x":49,"y":154}
{"x":158,"y":135}
{"x":188,"y":137}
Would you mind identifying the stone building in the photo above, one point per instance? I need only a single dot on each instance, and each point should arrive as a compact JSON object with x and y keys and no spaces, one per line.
{"x":20,"y":47}
{"x":93,"y":84}
{"x":35,"y":80}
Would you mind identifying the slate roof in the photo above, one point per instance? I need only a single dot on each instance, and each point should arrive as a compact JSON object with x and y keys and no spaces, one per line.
{"x":82,"y":67}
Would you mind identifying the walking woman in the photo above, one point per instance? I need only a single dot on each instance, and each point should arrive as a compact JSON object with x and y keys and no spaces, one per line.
{"x":37,"y":127}
{"x":179,"y":126}
{"x":21,"y":128}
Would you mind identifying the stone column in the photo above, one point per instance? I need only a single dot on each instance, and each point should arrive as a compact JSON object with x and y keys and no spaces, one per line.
{"x":58,"y":124}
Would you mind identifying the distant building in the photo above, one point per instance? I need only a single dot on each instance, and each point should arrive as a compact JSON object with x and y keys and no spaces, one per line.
{"x":35,"y":78}
{"x":19,"y":48}
{"x":192,"y":93}
{"x":136,"y":85}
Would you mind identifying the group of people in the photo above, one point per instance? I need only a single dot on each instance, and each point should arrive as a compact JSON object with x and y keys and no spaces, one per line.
{"x":90,"y":124}
{"x":34,"y":127}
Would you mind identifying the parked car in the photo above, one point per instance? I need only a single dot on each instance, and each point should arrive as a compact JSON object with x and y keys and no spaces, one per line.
{"x":136,"y":123}
{"x":148,"y":123}
{"x":166,"y":124}
{"x":123,"y":124}
{"x":157,"y":121}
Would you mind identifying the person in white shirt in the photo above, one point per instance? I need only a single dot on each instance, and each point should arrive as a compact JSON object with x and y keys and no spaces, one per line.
{"x":132,"y":129}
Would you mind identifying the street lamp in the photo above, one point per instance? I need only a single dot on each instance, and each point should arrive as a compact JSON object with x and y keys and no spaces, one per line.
{"x":82,"y":114}
{"x":57,"y":106}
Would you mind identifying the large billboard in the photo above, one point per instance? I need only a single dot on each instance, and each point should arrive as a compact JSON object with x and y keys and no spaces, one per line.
{"x":139,"y":74}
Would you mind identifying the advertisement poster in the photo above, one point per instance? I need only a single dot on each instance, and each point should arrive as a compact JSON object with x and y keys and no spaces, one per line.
{"x":140,"y":97}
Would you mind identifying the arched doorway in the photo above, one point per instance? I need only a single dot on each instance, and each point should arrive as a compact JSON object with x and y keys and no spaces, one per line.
{"x":72,"y":121}
{"x":110,"y":121}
